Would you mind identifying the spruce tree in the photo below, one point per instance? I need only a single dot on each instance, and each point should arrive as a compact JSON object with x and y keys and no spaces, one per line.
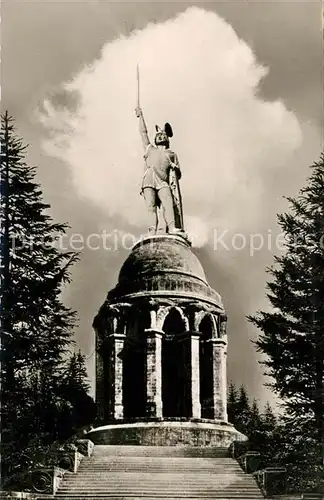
{"x":76,"y":389}
{"x":254,"y":424}
{"x":243,"y":409}
{"x":232,"y":404}
{"x":239,"y":411}
{"x":36,"y":327}
{"x":268,"y":418}
{"x":76,"y":373}
{"x":292,"y":332}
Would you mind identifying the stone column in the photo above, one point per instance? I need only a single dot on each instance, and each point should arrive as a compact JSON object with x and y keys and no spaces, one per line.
{"x":191,"y":407}
{"x":154,"y":373}
{"x":219,"y":379}
{"x":100,"y":381}
{"x":195,"y":376}
{"x":116,"y":407}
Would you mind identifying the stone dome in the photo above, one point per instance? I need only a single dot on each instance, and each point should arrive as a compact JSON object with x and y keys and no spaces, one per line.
{"x":161,"y":254}
{"x":163,"y":265}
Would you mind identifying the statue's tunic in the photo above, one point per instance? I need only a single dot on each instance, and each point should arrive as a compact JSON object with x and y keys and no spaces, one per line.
{"x":157,"y":167}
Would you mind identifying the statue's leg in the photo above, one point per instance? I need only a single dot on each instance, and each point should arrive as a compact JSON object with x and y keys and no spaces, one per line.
{"x":150,"y":199}
{"x":166,"y":199}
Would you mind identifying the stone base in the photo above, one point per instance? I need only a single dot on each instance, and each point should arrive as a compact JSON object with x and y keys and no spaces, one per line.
{"x":168,"y":433}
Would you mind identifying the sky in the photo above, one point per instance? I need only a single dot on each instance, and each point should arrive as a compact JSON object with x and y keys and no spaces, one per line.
{"x":240,"y":83}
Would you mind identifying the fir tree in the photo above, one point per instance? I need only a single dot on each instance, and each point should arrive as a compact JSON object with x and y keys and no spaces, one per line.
{"x":269,"y":419}
{"x":292,"y":333}
{"x":243,"y":409}
{"x":76,"y":392}
{"x":239,"y":411}
{"x":254,"y":424}
{"x":232,"y":404}
{"x":76,"y":373}
{"x":36,"y":327}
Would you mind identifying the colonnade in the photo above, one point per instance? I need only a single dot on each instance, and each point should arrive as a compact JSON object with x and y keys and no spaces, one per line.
{"x":186,"y":362}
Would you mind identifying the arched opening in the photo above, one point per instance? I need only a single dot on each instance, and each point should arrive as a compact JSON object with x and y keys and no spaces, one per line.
{"x":175,"y":381}
{"x":134,"y":365}
{"x":206,"y":367}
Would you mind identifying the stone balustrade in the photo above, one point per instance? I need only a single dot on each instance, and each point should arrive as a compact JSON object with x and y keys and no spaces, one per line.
{"x":85,"y":447}
{"x":46,"y":480}
{"x":250,"y":461}
{"x":272,"y":480}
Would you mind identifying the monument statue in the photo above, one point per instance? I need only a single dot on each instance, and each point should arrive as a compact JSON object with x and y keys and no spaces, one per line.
{"x":161,"y":342}
{"x":160,"y":184}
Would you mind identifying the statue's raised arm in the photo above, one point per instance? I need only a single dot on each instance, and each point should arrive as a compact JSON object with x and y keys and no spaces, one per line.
{"x":142,"y":127}
{"x":160,"y":184}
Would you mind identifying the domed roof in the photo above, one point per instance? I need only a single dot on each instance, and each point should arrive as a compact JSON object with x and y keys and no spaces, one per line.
{"x":163,"y":265}
{"x":161,"y":253}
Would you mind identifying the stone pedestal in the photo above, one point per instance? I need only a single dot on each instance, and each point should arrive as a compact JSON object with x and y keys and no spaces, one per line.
{"x":207,"y":434}
{"x":154,"y":374}
{"x":115,"y":407}
{"x":219,"y":379}
{"x":172,"y":369}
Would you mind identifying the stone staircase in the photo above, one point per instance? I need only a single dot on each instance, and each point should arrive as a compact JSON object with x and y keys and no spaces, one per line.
{"x":153,"y":472}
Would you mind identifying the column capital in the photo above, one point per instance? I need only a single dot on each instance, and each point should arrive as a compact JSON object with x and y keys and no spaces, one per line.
{"x":117,"y":336}
{"x":187,"y":335}
{"x":153,"y":304}
{"x":153,"y":332}
{"x":217,"y":341}
{"x":194,"y":334}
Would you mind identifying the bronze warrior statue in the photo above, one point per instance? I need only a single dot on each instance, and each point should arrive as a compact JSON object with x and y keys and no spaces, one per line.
{"x":160,"y":186}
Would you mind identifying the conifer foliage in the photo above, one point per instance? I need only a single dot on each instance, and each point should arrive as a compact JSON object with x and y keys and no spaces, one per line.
{"x":76,"y":389}
{"x":258,"y":426}
{"x":36,"y":327}
{"x":291,"y":334}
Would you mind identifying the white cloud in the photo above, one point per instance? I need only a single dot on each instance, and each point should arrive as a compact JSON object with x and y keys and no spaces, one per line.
{"x":198,"y":75}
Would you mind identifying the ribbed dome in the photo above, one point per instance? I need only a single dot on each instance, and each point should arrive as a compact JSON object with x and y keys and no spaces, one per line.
{"x":163,"y":265}
{"x":161,"y":253}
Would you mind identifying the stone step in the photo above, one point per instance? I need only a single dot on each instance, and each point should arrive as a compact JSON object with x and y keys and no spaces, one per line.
{"x":107,"y":496}
{"x":155,"y":463}
{"x":104,"y":470}
{"x":145,"y":484}
{"x":165,"y":462}
{"x":159,"y":468}
{"x":141,"y":489}
{"x":164,"y":494}
{"x":182,"y":488}
{"x":174,"y":475}
{"x":159,"y":485}
{"x":154,"y":459}
{"x":210,"y":496}
{"x":90,"y":466}
{"x":145,"y":458}
{"x":189,"y":488}
{"x":134,"y":472}
{"x":159,"y":477}
{"x":156,"y":468}
{"x":162,"y":464}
